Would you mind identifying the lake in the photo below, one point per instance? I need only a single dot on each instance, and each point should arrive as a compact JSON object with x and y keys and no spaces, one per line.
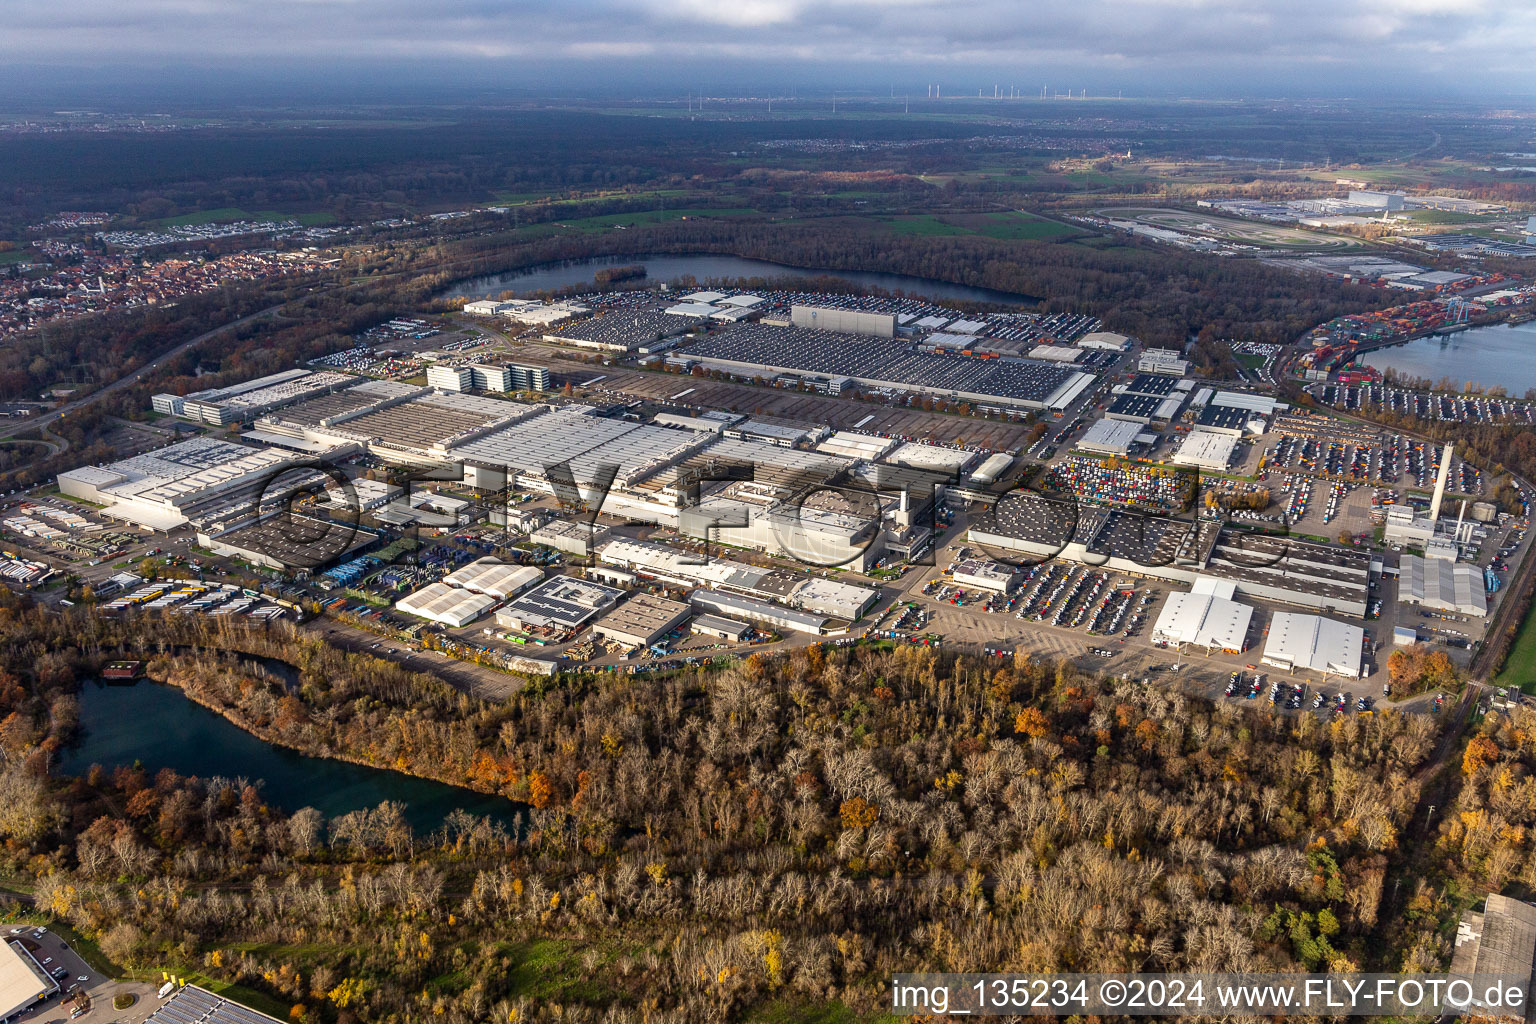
{"x":1496,"y":354}
{"x":158,"y":727}
{"x":704,"y":266}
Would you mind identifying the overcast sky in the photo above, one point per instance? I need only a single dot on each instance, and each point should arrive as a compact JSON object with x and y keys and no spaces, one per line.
{"x":1190,"y":47}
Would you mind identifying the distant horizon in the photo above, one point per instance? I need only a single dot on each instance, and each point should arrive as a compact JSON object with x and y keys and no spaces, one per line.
{"x":427,"y":50}
{"x":66,"y":89}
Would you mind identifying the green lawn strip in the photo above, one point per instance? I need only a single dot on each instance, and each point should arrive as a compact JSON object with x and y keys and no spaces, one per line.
{"x":1520,"y":665}
{"x":553,"y":969}
{"x":606,"y":221}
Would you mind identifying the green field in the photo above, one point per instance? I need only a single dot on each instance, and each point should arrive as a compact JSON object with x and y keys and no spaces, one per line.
{"x":1520,"y":666}
{"x":612,"y":220}
{"x":1012,"y":226}
{"x":14,"y":256}
{"x":1016,"y":225}
{"x":1441,"y":217}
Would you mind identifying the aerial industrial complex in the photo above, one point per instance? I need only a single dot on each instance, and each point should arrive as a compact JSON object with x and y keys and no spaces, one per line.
{"x":668,"y":524}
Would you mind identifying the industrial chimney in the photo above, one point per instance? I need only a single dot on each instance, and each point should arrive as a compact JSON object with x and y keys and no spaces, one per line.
{"x":1445,"y":472}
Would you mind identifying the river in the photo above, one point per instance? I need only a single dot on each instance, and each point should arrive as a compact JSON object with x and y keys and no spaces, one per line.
{"x":158,"y":727}
{"x":1495,"y":354}
{"x":704,"y":266}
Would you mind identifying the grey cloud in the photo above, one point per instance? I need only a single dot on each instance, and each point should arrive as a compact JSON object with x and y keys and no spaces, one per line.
{"x":864,"y":38}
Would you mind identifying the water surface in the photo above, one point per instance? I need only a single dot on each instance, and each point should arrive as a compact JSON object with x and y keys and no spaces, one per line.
{"x":158,"y":727}
{"x":1496,"y":354}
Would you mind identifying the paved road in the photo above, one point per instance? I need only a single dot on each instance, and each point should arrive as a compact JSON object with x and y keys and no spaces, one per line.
{"x":47,"y":418}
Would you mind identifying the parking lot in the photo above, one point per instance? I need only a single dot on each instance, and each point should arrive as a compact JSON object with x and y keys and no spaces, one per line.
{"x":73,"y":972}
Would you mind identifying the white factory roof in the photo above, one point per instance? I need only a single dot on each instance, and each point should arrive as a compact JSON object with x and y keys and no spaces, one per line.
{"x":1056,"y":353}
{"x":1104,"y":340}
{"x":916,"y":455}
{"x":829,"y":597}
{"x":649,"y":558}
{"x":994,"y":467}
{"x":944,"y":339}
{"x":691,"y":309}
{"x":533,"y":445}
{"x":1113,"y":437}
{"x":703,"y":297}
{"x":447,"y":605}
{"x":1299,"y":642}
{"x":1443,"y":584}
{"x":745,"y":301}
{"x":1262,"y":404}
{"x":1206,"y":617}
{"x":966,"y":326}
{"x":856,"y":446}
{"x":1206,"y":449}
{"x":498,"y":579}
{"x":20,"y":985}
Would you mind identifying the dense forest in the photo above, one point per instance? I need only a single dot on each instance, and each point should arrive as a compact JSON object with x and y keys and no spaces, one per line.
{"x":784,"y":832}
{"x":376,"y":161}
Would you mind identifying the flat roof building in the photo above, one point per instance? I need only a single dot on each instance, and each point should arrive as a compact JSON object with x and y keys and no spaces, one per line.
{"x":997,"y":577}
{"x":574,"y":537}
{"x":560,"y":603}
{"x":23,"y":982}
{"x":1228,"y":419}
{"x":1109,"y":436}
{"x":1499,"y":940}
{"x":1206,"y":617}
{"x":1106,"y":341}
{"x":1164,"y":361}
{"x":1206,"y":449}
{"x":171,"y":486}
{"x":719,"y":626}
{"x":1443,"y":584}
{"x":1299,"y":642}
{"x":642,"y":620}
{"x":751,"y":609}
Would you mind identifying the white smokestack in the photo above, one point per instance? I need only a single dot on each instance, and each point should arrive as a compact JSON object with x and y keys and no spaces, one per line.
{"x":1445,"y":473}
